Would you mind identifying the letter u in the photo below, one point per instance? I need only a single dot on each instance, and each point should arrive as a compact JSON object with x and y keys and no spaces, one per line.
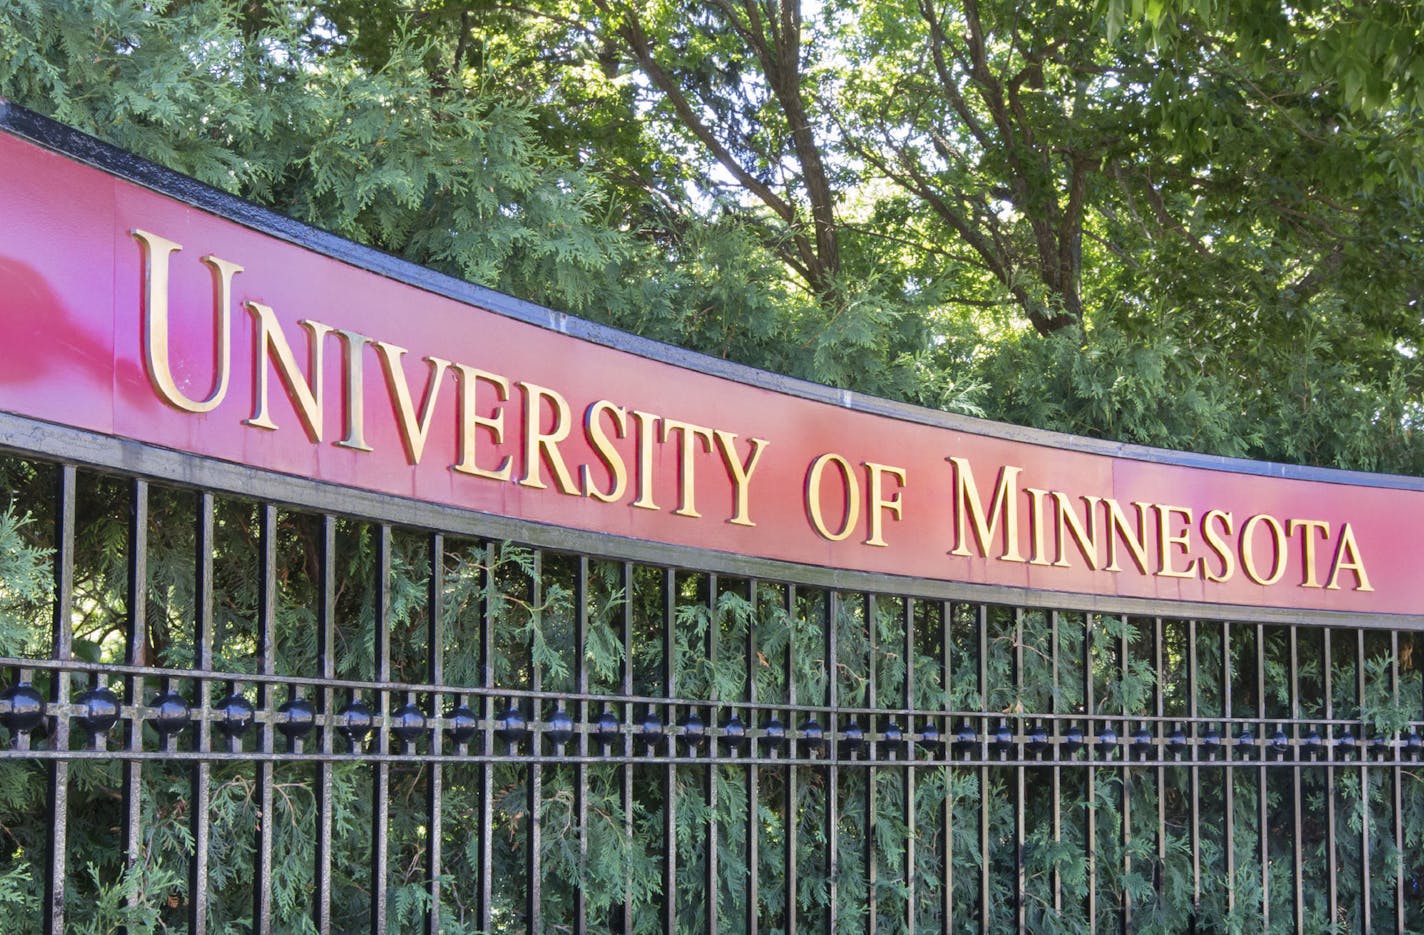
{"x":156,"y":253}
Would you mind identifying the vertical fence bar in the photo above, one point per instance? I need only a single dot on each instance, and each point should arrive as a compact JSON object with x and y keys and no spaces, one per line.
{"x":1055,"y":778}
{"x":1125,"y":838}
{"x":199,"y":772}
{"x":1159,"y":708}
{"x":832,"y":700}
{"x":434,"y":786}
{"x":709,"y":775}
{"x":381,"y":769}
{"x":1091,"y":814}
{"x":946,"y":617}
{"x":134,"y":655}
{"x":266,"y":665}
{"x":1020,"y":882}
{"x":792,"y":806}
{"x":1416,"y":646}
{"x":534,"y":839}
{"x":1195,"y":777}
{"x":485,"y":831}
{"x":873,"y":724}
{"x":669,"y":894}
{"x":625,"y":686}
{"x":1263,"y":839}
{"x":1332,"y":858}
{"x":1297,"y":810}
{"x":1366,"y":909}
{"x":753,"y":777}
{"x":1395,"y":790}
{"x":1228,"y":771}
{"x":981,"y":619}
{"x":62,"y":649}
{"x":326,"y":699}
{"x":906,"y":751}
{"x":581,"y":721}
{"x":981,"y":679}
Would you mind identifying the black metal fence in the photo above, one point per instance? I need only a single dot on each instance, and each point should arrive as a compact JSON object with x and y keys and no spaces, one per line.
{"x":246,"y":702}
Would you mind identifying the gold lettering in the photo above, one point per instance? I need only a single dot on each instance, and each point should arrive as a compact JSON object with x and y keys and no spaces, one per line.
{"x":1084,"y":532}
{"x":540,"y":444}
{"x":413,"y":432}
{"x":1218,"y":544}
{"x":1248,"y":549}
{"x":1116,"y":523}
{"x":968,"y":506}
{"x":686,"y":459}
{"x":878,"y":503}
{"x":740,"y":472}
{"x":471,"y":421}
{"x":355,"y":414}
{"x":813,"y":496}
{"x":1167,"y":543}
{"x":647,"y":426}
{"x":305,"y":394}
{"x":1348,"y":549}
{"x":157,"y":252}
{"x":1036,"y":554}
{"x":1307,"y":546}
{"x":604,"y":448}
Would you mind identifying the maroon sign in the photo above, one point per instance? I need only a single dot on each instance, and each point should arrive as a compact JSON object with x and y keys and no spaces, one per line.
{"x":127,"y":312}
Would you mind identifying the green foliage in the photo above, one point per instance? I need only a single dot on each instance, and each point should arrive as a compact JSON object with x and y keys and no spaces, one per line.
{"x":1366,"y":53}
{"x":279,"y":111}
{"x":1183,"y":224}
{"x":25,"y":584}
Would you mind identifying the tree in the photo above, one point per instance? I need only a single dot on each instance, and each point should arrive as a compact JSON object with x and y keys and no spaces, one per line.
{"x":942,"y":174}
{"x":732,"y":75}
{"x":1159,"y":222}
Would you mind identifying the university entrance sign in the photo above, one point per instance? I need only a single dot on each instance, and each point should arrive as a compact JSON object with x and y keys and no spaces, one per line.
{"x":186,"y":324}
{"x":579,"y":632}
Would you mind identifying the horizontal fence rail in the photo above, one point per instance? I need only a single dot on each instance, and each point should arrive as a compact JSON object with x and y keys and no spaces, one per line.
{"x":225,"y":714}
